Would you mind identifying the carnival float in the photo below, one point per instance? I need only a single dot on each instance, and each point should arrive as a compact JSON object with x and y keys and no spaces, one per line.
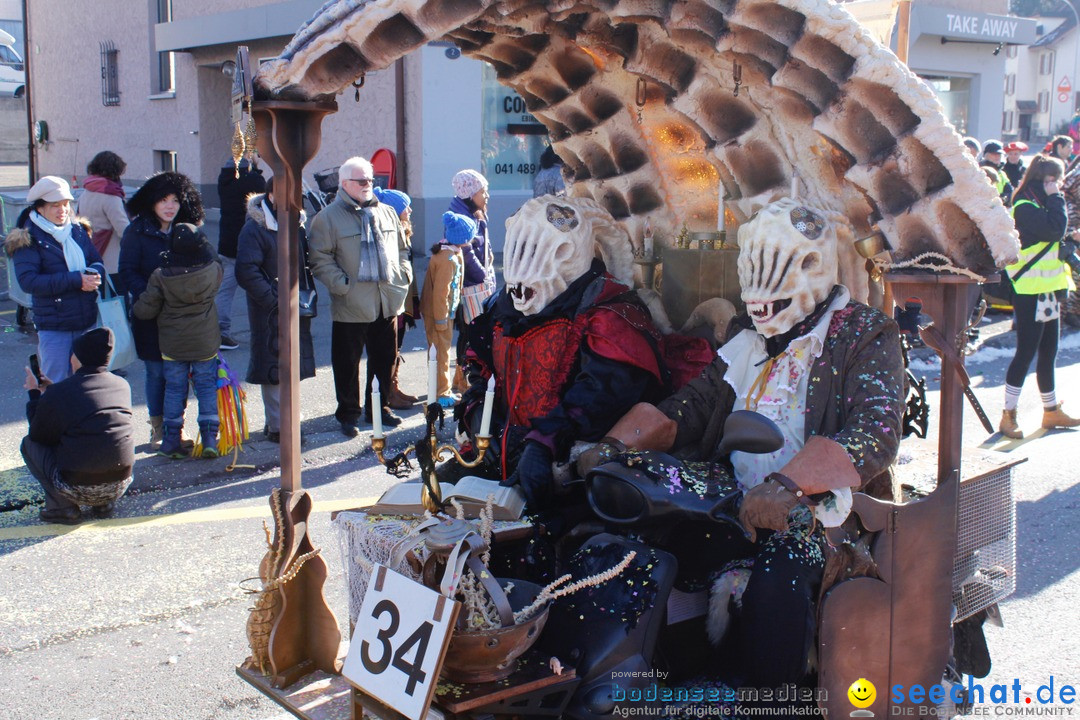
{"x":680,"y":121}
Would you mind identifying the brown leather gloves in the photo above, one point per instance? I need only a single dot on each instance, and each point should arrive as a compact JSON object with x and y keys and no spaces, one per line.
{"x":766,"y":506}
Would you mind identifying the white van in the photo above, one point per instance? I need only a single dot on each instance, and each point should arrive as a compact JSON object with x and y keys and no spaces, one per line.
{"x":12,"y":70}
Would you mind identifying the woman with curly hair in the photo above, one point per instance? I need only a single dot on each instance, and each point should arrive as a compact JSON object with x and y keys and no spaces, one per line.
{"x":165,"y":199}
{"x":102,"y":203}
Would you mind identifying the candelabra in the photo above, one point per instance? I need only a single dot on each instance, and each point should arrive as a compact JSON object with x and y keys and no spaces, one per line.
{"x":428,"y":451}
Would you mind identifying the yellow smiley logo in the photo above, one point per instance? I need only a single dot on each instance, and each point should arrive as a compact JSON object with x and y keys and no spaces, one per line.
{"x":862,"y":693}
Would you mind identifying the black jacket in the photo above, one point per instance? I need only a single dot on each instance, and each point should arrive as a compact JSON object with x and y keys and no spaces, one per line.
{"x":1045,"y":223}
{"x":87,"y":420}
{"x":1015,"y":173}
{"x":60,"y":303}
{"x":140,"y":255}
{"x":233,"y":193}
{"x":257,"y":273}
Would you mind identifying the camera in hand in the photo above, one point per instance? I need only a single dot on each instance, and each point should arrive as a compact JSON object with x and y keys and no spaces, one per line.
{"x":1068,"y":254}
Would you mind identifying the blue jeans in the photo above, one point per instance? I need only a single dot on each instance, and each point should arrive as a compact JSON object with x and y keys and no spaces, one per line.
{"x":224,"y":299}
{"x":204,"y":376}
{"x":54,"y":352}
{"x":155,"y":387}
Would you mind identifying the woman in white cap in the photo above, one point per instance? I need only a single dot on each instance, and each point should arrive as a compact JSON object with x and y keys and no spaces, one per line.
{"x":57,"y":264}
{"x":470,"y":199}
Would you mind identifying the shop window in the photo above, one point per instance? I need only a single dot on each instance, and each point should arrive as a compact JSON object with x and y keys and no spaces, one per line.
{"x":165,"y":160}
{"x":1046,"y":63}
{"x":1044,"y":101}
{"x":110,"y":75}
{"x":954,"y":93}
{"x":512,"y":139}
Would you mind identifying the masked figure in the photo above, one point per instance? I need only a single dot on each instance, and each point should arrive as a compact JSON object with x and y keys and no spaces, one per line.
{"x":571,"y":346}
{"x":829,"y":372}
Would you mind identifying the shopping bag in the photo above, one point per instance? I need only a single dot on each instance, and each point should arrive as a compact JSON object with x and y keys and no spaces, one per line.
{"x":112,"y":313}
{"x":473,"y":297}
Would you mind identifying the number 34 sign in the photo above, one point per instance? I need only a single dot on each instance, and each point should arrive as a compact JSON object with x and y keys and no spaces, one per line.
{"x":401,"y":636}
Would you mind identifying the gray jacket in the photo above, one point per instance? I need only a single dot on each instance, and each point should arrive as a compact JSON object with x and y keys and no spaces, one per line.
{"x":334,"y":254}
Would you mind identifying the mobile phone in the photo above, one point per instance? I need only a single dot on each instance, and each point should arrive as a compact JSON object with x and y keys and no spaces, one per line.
{"x":35,"y":366}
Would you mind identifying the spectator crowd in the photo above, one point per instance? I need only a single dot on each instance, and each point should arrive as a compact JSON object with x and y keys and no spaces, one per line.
{"x":360,"y":245}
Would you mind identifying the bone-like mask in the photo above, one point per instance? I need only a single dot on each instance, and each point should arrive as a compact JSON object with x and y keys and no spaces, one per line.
{"x":550,"y":242}
{"x":787,"y":264}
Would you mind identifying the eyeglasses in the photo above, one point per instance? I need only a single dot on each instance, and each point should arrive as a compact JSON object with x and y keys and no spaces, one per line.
{"x":362,"y":182}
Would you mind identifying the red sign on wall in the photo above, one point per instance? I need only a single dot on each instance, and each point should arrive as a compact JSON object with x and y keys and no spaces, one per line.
{"x":1064,"y":86}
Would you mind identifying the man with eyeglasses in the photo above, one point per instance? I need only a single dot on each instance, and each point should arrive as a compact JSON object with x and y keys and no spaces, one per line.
{"x":358,"y":249}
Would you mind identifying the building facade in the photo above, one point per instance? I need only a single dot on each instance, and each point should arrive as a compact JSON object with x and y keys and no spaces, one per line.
{"x":168,"y":104}
{"x":1041,"y":92}
{"x":960,"y":48}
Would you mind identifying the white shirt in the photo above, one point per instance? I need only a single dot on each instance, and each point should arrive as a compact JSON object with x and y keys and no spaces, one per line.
{"x":782,"y":399}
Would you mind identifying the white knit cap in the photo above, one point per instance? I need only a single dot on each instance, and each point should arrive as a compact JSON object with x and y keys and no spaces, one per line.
{"x":467,"y":183}
{"x":50,"y":189}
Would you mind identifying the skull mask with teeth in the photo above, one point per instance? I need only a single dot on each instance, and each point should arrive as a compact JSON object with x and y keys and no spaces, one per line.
{"x":787,"y":264}
{"x":550,"y":242}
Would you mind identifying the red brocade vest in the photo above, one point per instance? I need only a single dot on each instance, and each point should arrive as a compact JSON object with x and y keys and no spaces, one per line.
{"x":534,"y":369}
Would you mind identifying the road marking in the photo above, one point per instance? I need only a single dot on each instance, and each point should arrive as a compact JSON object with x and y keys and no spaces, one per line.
{"x":182,"y":518}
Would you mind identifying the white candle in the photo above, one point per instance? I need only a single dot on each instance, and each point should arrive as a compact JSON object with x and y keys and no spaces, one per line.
{"x":376,"y":410}
{"x":794,"y":185}
{"x":647,"y":243}
{"x":432,"y":376}
{"x":489,"y":402}
{"x":720,"y":219}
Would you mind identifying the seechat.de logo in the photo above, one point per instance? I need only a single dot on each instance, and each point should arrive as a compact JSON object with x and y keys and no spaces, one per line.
{"x":862,"y":694}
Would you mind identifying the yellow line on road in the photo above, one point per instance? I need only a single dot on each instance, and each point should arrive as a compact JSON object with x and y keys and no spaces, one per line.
{"x":182,"y":518}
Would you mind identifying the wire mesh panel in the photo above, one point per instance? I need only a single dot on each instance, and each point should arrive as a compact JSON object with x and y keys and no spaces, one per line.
{"x":984,"y":568}
{"x":110,"y":74}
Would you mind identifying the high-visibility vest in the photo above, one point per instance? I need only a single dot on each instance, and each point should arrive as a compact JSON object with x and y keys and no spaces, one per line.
{"x":1047,"y":274}
{"x":1002,"y":181}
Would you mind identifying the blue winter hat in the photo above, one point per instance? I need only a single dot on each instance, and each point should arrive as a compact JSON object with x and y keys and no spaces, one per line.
{"x":394,"y":198}
{"x":458,"y":229}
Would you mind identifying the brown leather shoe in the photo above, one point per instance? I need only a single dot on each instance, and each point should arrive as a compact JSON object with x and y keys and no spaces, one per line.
{"x":1055,"y":417}
{"x":1008,"y":426}
{"x":460,"y":384}
{"x":400,"y":401}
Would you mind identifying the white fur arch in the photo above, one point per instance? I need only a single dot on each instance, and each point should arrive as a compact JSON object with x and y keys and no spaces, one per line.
{"x":820,"y":105}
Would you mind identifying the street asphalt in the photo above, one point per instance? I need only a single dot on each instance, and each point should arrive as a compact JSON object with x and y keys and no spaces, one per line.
{"x":142,"y":617}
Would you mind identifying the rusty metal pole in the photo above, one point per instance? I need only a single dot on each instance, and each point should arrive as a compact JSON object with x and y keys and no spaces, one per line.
{"x":289,"y":134}
{"x":305,"y":634}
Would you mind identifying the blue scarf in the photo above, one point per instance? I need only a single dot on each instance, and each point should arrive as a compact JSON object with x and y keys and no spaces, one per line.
{"x":73,"y":254}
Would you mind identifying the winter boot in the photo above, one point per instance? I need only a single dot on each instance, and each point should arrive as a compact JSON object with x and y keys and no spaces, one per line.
{"x":170,"y":442}
{"x":156,"y":423}
{"x":208,"y":439}
{"x":399,"y":400}
{"x":1008,"y":426}
{"x":1055,"y":417}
